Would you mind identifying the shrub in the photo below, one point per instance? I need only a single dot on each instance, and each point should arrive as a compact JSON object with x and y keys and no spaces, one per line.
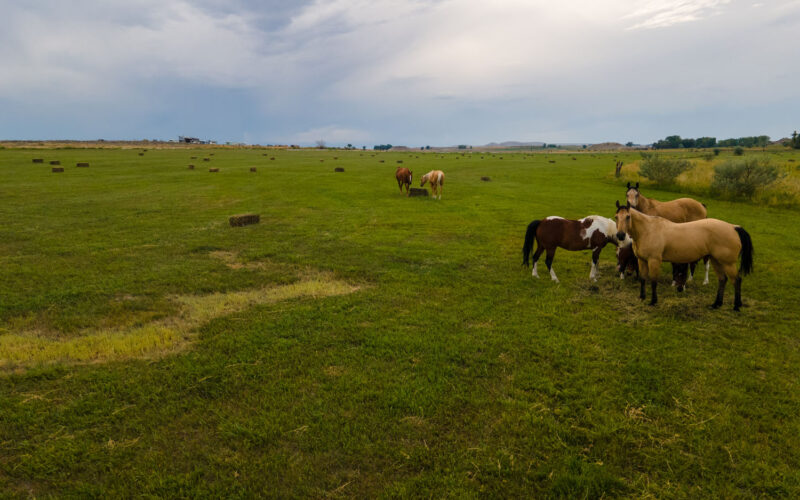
{"x":741,"y":178}
{"x":708,"y":156}
{"x":738,"y":151}
{"x":662,"y":171}
{"x":716,"y":151}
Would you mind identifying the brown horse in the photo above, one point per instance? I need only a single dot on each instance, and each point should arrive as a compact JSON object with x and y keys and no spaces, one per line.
{"x":680,"y":210}
{"x":403,"y":176}
{"x":436,"y":178}
{"x":627,"y":263}
{"x":590,"y":233}
{"x":656,"y":239}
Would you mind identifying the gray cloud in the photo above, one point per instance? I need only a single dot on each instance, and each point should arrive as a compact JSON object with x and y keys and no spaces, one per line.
{"x":412,"y":71}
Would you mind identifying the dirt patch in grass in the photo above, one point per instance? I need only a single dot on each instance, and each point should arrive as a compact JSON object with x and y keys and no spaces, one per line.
{"x":21,"y":349}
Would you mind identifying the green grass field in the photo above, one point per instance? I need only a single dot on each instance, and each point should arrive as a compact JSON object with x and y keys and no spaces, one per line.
{"x":358,"y":343}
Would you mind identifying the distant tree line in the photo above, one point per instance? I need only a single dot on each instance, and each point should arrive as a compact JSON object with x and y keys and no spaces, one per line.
{"x":382,"y":147}
{"x":676,"y":141}
{"x":795,"y":142}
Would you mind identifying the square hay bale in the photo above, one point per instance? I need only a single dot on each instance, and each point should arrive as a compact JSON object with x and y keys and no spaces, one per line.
{"x":38,"y":160}
{"x":55,"y":162}
{"x":191,"y":167}
{"x":418,"y":192}
{"x":338,"y":169}
{"x":485,"y":179}
{"x":213,"y":170}
{"x":244,"y":219}
{"x":252,"y":169}
{"x":58,"y":169}
{"x":82,"y":164}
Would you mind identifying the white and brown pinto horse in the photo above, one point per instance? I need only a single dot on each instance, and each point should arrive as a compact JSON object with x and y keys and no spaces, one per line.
{"x":436,"y":178}
{"x":656,"y":239}
{"x":680,"y":210}
{"x":404,"y":177}
{"x":590,"y":233}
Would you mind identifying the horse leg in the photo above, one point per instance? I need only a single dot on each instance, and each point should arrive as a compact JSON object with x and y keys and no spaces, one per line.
{"x":549,"y":261}
{"x":722,"y":279}
{"x":705,"y":259}
{"x":536,"y":256}
{"x":653,"y":270}
{"x":737,"y":290}
{"x":690,"y":274}
{"x":441,"y":188}
{"x":642,"y":276}
{"x":595,"y":257}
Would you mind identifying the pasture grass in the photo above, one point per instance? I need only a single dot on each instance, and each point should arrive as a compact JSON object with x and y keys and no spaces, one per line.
{"x":358,"y":343}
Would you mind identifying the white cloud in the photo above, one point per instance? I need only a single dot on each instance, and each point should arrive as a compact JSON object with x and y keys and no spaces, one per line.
{"x":663,"y":13}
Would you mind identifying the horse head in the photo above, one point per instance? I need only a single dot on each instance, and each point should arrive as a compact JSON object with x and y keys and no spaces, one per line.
{"x":424,"y":180}
{"x":623,"y":218}
{"x":632,"y":194}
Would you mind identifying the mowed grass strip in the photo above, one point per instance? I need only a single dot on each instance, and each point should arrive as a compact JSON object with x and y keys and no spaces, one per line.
{"x":18,"y":350}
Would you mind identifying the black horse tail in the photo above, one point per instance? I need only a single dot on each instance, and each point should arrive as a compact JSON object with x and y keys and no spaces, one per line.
{"x":527,"y":247}
{"x":747,"y":251}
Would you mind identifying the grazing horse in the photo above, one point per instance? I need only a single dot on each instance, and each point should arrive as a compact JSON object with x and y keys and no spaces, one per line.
{"x":590,"y":233}
{"x":656,"y":239}
{"x":436,"y":178}
{"x":680,"y":210}
{"x":403,"y":176}
{"x":627,"y":263}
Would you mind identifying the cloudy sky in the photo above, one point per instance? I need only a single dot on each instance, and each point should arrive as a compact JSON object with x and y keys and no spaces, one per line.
{"x":411,"y":72}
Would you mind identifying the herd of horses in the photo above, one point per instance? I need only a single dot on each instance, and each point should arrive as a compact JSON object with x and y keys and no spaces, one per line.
{"x":648,"y":232}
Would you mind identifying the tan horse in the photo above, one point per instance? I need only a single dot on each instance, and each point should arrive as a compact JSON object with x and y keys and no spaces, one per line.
{"x":436,"y":178}
{"x":680,"y":210}
{"x":656,"y":239}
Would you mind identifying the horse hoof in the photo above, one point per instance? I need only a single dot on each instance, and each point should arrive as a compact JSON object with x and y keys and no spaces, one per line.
{"x":651,"y":304}
{"x":705,"y":282}
{"x":715,"y":305}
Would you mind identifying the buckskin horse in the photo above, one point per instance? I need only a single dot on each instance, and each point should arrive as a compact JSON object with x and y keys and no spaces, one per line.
{"x":436,"y":178}
{"x":590,"y":233}
{"x":656,"y":239}
{"x":403,"y":176}
{"x":680,"y":210}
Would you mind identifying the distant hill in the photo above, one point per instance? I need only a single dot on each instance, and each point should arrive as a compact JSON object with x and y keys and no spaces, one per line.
{"x":607,"y":145}
{"x":513,"y":144}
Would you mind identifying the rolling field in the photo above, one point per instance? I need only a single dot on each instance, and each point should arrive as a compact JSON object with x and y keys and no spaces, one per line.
{"x":358,"y":343}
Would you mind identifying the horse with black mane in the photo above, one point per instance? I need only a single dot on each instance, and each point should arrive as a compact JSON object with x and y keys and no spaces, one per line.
{"x":656,"y":239}
{"x":680,"y":210}
{"x":590,"y":233}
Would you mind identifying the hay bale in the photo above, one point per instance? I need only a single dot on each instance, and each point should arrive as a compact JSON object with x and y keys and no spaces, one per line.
{"x":338,"y":169}
{"x":82,"y":164}
{"x":244,"y":219}
{"x":193,"y":158}
{"x":213,"y":170}
{"x":418,"y":192}
{"x":551,"y":161}
{"x":485,"y":179}
{"x":335,"y":157}
{"x":58,"y":169}
{"x":253,"y":169}
{"x":141,"y":154}
{"x":206,"y":159}
{"x":272,"y":158}
{"x":321,"y":161}
{"x":381,"y":161}
{"x":191,"y":167}
{"x":55,"y":162}
{"x":399,"y":161}
{"x":38,"y":160}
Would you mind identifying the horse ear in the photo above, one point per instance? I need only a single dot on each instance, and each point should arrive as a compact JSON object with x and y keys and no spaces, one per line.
{"x":617,"y":204}
{"x":637,"y":186}
{"x":629,"y":185}
{"x":628,"y":206}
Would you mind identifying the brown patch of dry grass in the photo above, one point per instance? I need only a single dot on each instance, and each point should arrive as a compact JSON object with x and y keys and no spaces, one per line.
{"x":21,"y":348}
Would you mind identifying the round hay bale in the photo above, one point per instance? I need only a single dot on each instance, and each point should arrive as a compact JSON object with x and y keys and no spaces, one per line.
{"x":191,"y":167}
{"x":253,"y":169}
{"x":399,"y":161}
{"x":338,"y":169}
{"x":418,"y":192}
{"x":141,"y":154}
{"x":213,"y":170}
{"x":551,"y":161}
{"x":193,"y":158}
{"x":206,"y":159}
{"x":381,"y":161}
{"x":82,"y":164}
{"x":38,"y":160}
{"x":485,"y":179}
{"x":335,"y":157}
{"x":272,"y":158}
{"x":57,"y":169}
{"x":55,"y":162}
{"x":244,"y":219}
{"x":321,"y":161}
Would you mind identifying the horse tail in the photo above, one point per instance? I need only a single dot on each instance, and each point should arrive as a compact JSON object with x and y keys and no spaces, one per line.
{"x":747,"y":251}
{"x":527,"y":247}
